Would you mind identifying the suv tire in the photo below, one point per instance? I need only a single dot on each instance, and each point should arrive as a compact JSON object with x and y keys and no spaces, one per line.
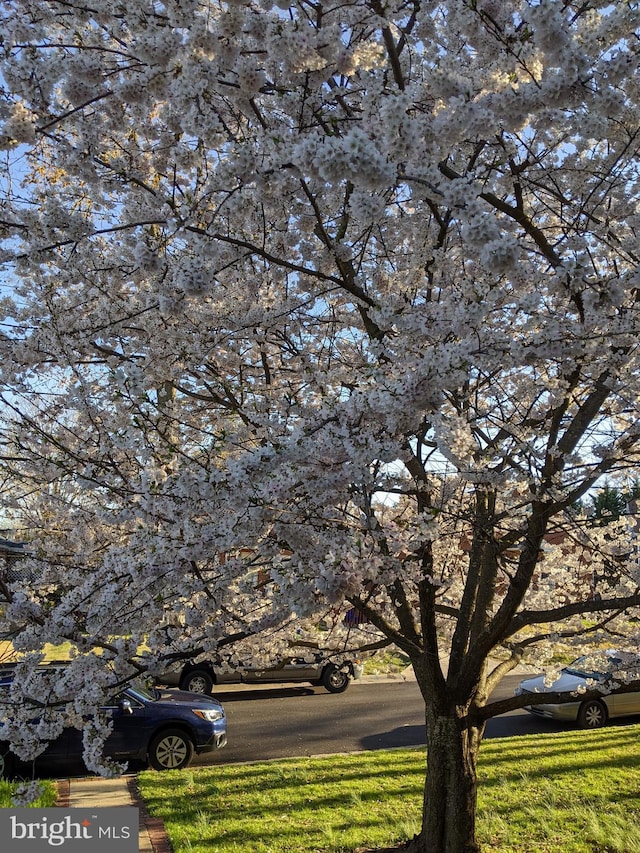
{"x":7,"y":762}
{"x":171,"y":749}
{"x":334,"y":680}
{"x":197,"y":681}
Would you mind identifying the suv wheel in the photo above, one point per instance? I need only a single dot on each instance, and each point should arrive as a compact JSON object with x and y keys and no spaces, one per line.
{"x":197,"y":681}
{"x":172,"y":749}
{"x":335,"y":680}
{"x":6,"y":762}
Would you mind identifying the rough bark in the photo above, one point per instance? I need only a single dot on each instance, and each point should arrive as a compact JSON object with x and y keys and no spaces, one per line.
{"x":450,"y":794}
{"x":453,"y":736}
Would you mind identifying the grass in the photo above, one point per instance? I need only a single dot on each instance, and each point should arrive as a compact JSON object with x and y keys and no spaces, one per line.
{"x":386,"y":661}
{"x":571,"y":792}
{"x":7,"y":654}
{"x":44,"y":801}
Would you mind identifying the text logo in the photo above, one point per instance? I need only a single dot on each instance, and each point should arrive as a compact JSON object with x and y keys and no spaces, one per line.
{"x":109,"y":830}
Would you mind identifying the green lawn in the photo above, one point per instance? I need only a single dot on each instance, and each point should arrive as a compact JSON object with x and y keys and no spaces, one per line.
{"x":572,"y":792}
{"x":45,"y":801}
{"x":386,"y":661}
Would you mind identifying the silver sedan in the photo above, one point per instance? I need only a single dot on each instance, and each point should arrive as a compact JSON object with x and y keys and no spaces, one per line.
{"x":579,"y":677}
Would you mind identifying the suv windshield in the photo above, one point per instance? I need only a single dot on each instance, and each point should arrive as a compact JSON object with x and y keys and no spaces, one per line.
{"x":141,"y":691}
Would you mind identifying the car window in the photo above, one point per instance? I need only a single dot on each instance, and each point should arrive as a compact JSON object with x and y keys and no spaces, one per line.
{"x":579,"y":668}
{"x":114,"y":701}
{"x":143,"y":693}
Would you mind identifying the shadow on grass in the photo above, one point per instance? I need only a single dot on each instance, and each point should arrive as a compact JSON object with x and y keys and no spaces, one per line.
{"x":304,"y":805}
{"x":531,"y":789}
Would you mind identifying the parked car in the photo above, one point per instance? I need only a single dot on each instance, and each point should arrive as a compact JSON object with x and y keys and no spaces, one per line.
{"x":316,"y":668}
{"x":581,"y":676}
{"x":164,"y":728}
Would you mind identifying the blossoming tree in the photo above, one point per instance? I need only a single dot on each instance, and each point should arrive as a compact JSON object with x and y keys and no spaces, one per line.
{"x":355,"y":283}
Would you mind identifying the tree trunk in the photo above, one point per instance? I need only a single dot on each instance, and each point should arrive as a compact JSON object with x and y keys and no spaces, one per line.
{"x":450,"y":794}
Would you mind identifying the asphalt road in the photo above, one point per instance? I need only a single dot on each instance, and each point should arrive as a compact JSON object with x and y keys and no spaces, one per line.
{"x":276,"y":721}
{"x":286,"y":721}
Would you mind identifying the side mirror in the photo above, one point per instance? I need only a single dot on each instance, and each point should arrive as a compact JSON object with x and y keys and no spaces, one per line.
{"x":125,"y":706}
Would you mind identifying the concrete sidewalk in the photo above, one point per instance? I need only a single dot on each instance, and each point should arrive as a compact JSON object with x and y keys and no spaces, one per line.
{"x":96,"y":792}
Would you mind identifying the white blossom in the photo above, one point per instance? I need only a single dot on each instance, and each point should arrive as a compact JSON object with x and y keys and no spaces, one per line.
{"x":311,"y":312}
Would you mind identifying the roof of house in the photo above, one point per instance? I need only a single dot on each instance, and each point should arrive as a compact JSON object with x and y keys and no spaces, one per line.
{"x":9,"y":547}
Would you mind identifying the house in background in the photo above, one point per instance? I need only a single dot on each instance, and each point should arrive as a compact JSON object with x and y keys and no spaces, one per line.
{"x":10,"y":554}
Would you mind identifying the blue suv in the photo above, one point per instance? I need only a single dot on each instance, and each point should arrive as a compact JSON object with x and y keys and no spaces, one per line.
{"x":164,"y":728}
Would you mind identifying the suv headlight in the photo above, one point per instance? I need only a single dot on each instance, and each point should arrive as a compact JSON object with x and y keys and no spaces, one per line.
{"x":208,"y":714}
